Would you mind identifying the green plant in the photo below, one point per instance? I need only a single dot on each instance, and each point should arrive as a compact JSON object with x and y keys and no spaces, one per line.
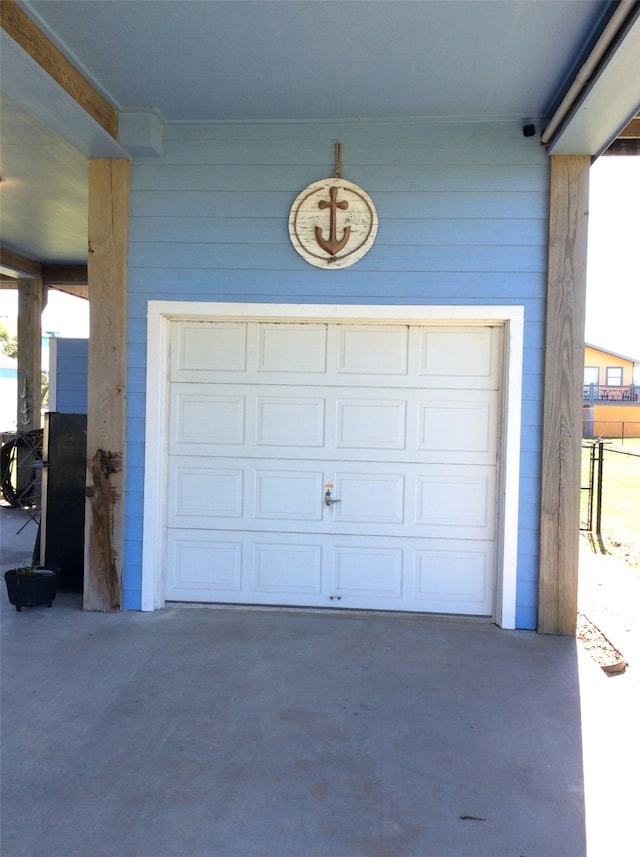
{"x":31,"y":586}
{"x":8,"y":342}
{"x":27,"y":570}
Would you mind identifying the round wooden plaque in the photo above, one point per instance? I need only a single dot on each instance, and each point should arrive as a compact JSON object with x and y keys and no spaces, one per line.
{"x":333,"y":223}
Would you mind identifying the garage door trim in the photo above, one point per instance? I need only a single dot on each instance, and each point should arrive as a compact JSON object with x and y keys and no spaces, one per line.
{"x":161,"y":314}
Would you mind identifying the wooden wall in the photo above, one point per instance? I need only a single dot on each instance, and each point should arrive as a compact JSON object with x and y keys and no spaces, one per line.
{"x":463,"y":220}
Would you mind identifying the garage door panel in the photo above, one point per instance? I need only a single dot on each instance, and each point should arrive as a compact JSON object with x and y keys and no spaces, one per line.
{"x":464,"y":504}
{"x":200,"y":417}
{"x":292,"y":348}
{"x":458,"y":426}
{"x":287,"y":421}
{"x":229,"y":493}
{"x":463,"y":352}
{"x":204,"y":493}
{"x":315,"y":570}
{"x":443,"y":356}
{"x":201,"y":349}
{"x":372,"y":350}
{"x":446,"y":425}
{"x":288,"y":567}
{"x":455,"y":579}
{"x":371,"y":424}
{"x":203,"y":566}
{"x":369,"y":497}
{"x":288,"y":496}
{"x":365,"y":572}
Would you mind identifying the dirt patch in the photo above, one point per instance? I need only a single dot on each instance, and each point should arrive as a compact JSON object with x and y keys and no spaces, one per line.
{"x":602,"y":650}
{"x":627,"y":551}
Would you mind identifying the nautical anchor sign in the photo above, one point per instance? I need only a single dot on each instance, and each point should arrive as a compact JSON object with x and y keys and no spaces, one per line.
{"x":333,"y":222}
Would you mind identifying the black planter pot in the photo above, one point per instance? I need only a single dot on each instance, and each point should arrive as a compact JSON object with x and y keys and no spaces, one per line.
{"x":31,"y":590}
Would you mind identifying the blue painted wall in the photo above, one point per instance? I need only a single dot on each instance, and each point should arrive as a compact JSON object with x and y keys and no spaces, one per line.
{"x":463,"y":220}
{"x":68,"y":360}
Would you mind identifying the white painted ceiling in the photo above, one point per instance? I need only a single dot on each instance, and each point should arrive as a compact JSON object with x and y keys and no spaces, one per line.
{"x":257,"y":60}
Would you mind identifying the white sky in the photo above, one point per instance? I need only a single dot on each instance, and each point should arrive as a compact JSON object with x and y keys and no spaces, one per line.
{"x":613,"y":271}
{"x":64,"y":315}
{"x":613,"y":268}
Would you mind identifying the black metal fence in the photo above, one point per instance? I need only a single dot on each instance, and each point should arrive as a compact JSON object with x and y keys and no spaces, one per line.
{"x":622,"y":430}
{"x":610,"y":501}
{"x":591,"y":499}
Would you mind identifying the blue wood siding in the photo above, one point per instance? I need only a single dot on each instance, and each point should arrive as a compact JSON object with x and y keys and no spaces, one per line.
{"x":463,"y":220}
{"x":71,"y":375}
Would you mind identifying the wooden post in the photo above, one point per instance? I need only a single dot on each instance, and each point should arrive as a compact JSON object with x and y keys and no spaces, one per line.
{"x":30,"y":306}
{"x":563,"y":379}
{"x":107,"y":274}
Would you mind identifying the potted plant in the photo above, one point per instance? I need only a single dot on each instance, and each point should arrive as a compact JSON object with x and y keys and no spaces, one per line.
{"x":31,"y":586}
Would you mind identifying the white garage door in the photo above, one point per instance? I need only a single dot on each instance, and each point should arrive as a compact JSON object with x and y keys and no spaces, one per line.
{"x":345,"y":465}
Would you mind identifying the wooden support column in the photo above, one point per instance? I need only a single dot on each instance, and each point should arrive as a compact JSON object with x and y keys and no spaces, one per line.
{"x":30,"y":306}
{"x":563,"y":380}
{"x":107,"y":274}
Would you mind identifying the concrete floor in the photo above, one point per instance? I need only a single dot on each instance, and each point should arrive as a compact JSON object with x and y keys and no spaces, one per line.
{"x":213,"y":732}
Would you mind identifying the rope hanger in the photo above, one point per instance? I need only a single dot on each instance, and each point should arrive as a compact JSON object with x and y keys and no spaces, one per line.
{"x":337,"y":173}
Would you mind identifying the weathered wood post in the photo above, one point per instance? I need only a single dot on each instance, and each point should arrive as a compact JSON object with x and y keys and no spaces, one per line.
{"x":106,"y":404}
{"x":563,"y":389}
{"x":30,"y":306}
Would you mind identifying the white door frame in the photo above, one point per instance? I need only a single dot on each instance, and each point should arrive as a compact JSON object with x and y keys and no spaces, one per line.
{"x":160,"y":314}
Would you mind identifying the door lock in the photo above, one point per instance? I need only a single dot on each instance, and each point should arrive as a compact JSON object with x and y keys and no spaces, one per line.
{"x":328,"y":499}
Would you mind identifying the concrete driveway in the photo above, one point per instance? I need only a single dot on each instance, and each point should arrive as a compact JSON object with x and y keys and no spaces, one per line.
{"x":213,"y":732}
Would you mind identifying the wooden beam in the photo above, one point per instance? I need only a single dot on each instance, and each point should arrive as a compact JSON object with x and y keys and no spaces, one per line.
{"x":65,"y":275}
{"x":68,"y":276}
{"x":631,"y":131}
{"x":29,"y":400}
{"x":104,"y":531}
{"x":628,"y":147}
{"x":20,"y":264}
{"x":76,"y":291}
{"x":563,"y":379}
{"x":628,"y":140}
{"x":31,"y":39}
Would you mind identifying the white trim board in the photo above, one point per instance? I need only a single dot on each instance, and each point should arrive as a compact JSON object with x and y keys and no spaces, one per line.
{"x":160,"y":314}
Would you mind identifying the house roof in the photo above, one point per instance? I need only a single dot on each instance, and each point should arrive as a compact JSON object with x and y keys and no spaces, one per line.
{"x":634,"y":360}
{"x":565,"y":66}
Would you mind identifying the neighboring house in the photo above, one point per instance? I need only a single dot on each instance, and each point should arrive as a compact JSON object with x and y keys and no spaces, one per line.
{"x":276,"y":427}
{"x":611,"y":398}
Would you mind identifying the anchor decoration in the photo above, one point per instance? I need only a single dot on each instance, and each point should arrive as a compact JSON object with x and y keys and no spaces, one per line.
{"x":333,"y":222}
{"x":333,"y":246}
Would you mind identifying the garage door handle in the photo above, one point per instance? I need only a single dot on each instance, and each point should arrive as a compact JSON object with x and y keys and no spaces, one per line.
{"x":328,"y":498}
